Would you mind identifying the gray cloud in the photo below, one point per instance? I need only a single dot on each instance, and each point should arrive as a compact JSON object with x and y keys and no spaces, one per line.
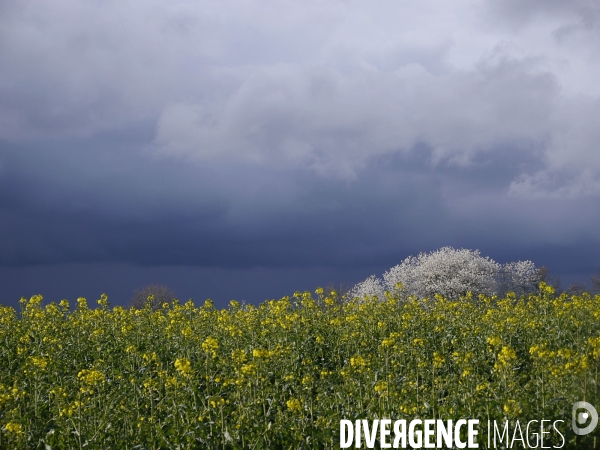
{"x":267,"y":134}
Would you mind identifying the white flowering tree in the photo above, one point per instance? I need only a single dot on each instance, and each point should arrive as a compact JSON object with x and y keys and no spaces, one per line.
{"x":451,"y":273}
{"x":446,"y":271}
{"x":368,"y":288}
{"x":521,"y":277}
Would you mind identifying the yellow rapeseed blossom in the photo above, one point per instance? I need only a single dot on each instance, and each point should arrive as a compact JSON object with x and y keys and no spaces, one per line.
{"x":388,"y":342}
{"x":14,"y":427}
{"x":307,"y":380}
{"x":291,"y":368}
{"x":216,"y":402}
{"x":238,"y":356}
{"x":438,"y":360}
{"x":357,"y":361}
{"x":103,"y":300}
{"x":594,"y":342}
{"x":183,"y":366}
{"x":210,"y":345}
{"x":90,"y":377}
{"x":547,"y":288}
{"x":72,"y":409}
{"x":39,"y":362}
{"x":506,"y":358}
{"x":494,"y":341}
{"x":381,"y":387}
{"x":249,"y":369}
{"x":294,"y":405}
{"x":512,"y":408}
{"x":260,"y":353}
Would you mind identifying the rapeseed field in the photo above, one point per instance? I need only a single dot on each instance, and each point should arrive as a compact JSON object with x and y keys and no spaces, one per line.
{"x":284,"y":373}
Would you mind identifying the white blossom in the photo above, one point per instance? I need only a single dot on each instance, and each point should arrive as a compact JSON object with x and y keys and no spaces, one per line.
{"x":520,"y":277}
{"x":451,"y":273}
{"x":446,"y":271}
{"x":368,"y":288}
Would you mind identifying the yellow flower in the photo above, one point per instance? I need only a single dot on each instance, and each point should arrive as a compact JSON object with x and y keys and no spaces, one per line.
{"x":249,"y":369}
{"x":216,"y":402}
{"x":72,"y":409}
{"x":39,"y":362}
{"x":512,"y":408}
{"x":14,"y":427}
{"x":294,"y":405}
{"x":34,"y":302}
{"x":187,"y":332}
{"x":103,"y":301}
{"x":183,"y":366}
{"x":564,"y":353}
{"x":381,"y":387}
{"x":388,"y":342}
{"x":210,"y":345}
{"x":238,"y":356}
{"x":494,"y":340}
{"x":357,"y":361}
{"x":505,"y":358}
{"x":595,"y":344}
{"x":438,"y":359}
{"x":90,"y":377}
{"x":307,"y":380}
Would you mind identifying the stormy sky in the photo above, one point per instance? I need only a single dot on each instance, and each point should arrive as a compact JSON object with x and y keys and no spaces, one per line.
{"x":247,"y":149}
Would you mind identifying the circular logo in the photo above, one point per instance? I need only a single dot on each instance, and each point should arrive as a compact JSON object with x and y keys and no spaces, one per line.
{"x":580,"y":418}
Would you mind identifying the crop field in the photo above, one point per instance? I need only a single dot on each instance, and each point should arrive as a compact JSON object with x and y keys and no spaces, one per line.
{"x":284,"y":373}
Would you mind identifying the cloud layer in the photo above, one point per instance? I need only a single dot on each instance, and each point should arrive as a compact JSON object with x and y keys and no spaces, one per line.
{"x":264,"y":133}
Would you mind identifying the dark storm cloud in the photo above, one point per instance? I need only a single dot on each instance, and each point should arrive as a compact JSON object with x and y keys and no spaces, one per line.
{"x":157,"y":213}
{"x":153,"y":213}
{"x":238,"y":135}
